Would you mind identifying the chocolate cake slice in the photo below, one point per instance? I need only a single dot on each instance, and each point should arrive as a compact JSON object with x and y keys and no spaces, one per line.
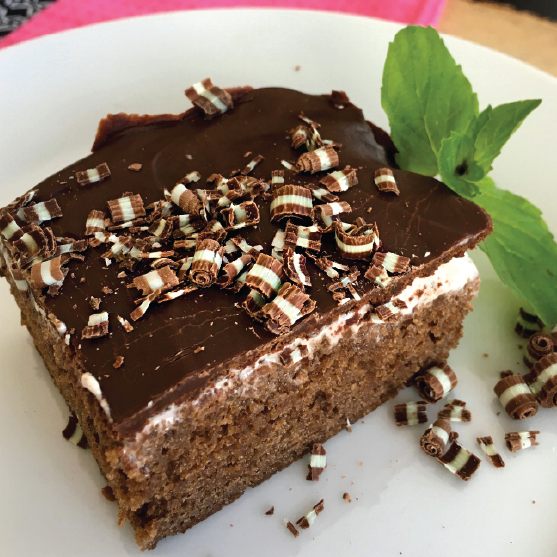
{"x":216,"y":291}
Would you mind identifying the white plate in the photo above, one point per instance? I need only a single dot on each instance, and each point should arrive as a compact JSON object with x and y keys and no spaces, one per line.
{"x":53,"y":92}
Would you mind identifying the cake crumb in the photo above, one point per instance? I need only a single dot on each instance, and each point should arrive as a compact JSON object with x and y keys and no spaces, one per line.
{"x":199,"y":349}
{"x":118,"y":362}
{"x":297,"y":68}
{"x":108,"y":493}
{"x":270,"y":511}
{"x":485,"y":355}
{"x":361,"y":463}
{"x":347,"y":497}
{"x":135,"y":166}
{"x":533,"y":502}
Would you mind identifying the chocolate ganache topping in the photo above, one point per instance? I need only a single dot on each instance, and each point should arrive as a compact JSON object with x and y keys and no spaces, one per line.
{"x":178,"y":347}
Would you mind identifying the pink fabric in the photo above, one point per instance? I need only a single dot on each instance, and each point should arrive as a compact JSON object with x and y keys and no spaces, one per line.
{"x":67,"y":14}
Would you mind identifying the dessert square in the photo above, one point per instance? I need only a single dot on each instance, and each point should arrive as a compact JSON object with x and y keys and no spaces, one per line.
{"x":216,"y":291}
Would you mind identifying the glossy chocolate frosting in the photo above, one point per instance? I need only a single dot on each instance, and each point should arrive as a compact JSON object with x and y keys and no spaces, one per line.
{"x":426,"y":222}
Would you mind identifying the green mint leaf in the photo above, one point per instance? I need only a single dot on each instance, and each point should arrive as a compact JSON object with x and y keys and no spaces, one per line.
{"x":521,"y":249}
{"x":478,"y":123}
{"x":425,"y":96}
{"x":457,"y":166}
{"x":502,"y":122}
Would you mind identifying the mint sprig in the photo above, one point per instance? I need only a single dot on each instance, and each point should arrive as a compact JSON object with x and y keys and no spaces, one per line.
{"x":438,"y":129}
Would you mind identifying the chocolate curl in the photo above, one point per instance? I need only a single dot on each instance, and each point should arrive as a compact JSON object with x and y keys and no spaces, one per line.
{"x":307,"y":520}
{"x":290,"y":305}
{"x":20,"y":202}
{"x":325,"y":215}
{"x":317,"y":462}
{"x":74,"y":433}
{"x":49,"y":273}
{"x":246,"y":248}
{"x":527,"y":324}
{"x":542,"y":380}
{"x":378,"y":276}
{"x":39,"y":212}
{"x":347,"y":282}
{"x":9,"y":227}
{"x":189,"y":178}
{"x":516,"y":398}
{"x":319,"y":160}
{"x":291,"y":528}
{"x":291,"y":201}
{"x":19,"y":279}
{"x":308,"y":237}
{"x":487,"y":446}
{"x":330,"y":267}
{"x":265,"y":276}
{"x":186,"y":200}
{"x":253,"y":304}
{"x":125,"y":324}
{"x":313,"y":138}
{"x":340,"y":180}
{"x":435,"y":382}
{"x":389,"y":310}
{"x":161,"y":228}
{"x":173,"y":294}
{"x":95,"y":223}
{"x":300,"y":135}
{"x":69,"y":245}
{"x":385,"y":181}
{"x":233,"y":269}
{"x":391,"y":262}
{"x":206,"y":263}
{"x":34,"y":242}
{"x":461,"y":462}
{"x":519,"y":440}
{"x":294,"y":267}
{"x":97,"y":326}
{"x":277,"y":179}
{"x":252,"y":164}
{"x":97,"y":174}
{"x":357,"y":246}
{"x":141,"y":310}
{"x":455,"y":411}
{"x":289,"y":166}
{"x":410,"y":413}
{"x":322,"y":194}
{"x":120,"y":247}
{"x":240,"y":216}
{"x":291,"y":356}
{"x":435,"y":438}
{"x":189,"y":227}
{"x":214,"y":231}
{"x":161,"y":279}
{"x":539,"y":345}
{"x":126,"y":208}
{"x":212,"y":100}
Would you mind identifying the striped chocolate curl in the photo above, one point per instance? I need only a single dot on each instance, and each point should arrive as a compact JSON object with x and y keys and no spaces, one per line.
{"x":206,"y":263}
{"x":436,"y":437}
{"x":360,"y":245}
{"x":308,"y":237}
{"x":542,"y":380}
{"x":340,"y":180}
{"x":265,"y":276}
{"x":294,"y":266}
{"x":516,"y":398}
{"x":461,"y":462}
{"x":210,"y":98}
{"x":290,"y":305}
{"x":435,"y":382}
{"x":291,"y":201}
